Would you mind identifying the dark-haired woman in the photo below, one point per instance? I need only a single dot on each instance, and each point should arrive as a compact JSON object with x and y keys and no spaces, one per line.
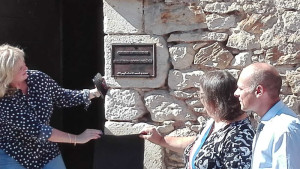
{"x":225,"y":142}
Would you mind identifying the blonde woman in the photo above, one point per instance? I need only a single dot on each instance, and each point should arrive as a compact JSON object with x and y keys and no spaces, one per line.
{"x":27,"y":99}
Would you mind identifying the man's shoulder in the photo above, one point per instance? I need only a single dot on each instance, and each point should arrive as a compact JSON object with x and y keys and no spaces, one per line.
{"x":285,"y":122}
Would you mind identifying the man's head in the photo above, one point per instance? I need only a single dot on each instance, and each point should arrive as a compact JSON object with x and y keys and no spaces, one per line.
{"x":259,"y":86}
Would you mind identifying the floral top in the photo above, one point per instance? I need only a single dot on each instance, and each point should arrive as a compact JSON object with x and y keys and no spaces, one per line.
{"x":24,"y":119}
{"x":228,"y":148}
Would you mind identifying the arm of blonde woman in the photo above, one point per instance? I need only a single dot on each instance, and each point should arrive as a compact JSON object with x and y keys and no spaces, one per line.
{"x":63,"y":137}
{"x":177,"y":144}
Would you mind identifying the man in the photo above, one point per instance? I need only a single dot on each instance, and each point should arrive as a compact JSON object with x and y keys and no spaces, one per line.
{"x":277,"y":143}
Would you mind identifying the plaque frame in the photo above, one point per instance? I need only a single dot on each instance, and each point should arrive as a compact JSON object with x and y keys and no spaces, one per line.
{"x":133,"y":60}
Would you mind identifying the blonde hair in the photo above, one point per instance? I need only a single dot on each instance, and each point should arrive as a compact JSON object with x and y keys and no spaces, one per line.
{"x":9,"y":56}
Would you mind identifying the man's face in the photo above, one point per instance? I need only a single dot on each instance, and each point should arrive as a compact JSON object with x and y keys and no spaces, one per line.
{"x":245,"y":93}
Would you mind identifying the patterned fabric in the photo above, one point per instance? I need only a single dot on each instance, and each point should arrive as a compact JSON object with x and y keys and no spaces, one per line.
{"x":24,"y":119}
{"x":228,"y":148}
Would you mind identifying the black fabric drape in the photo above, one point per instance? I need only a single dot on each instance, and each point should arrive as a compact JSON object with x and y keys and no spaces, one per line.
{"x":119,"y":152}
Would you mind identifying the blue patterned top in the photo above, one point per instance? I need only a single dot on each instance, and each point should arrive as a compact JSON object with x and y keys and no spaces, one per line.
{"x":229,"y":147}
{"x":25,"y":119}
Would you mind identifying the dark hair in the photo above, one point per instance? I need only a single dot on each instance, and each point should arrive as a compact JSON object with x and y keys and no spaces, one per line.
{"x":218,"y":88}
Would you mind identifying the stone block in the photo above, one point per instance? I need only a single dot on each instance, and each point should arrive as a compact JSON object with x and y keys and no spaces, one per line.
{"x":124,"y":105}
{"x":153,"y":154}
{"x":162,"y":19}
{"x":123,"y":16}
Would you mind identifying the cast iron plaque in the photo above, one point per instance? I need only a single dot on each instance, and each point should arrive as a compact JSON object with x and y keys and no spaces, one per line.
{"x":133,"y":60}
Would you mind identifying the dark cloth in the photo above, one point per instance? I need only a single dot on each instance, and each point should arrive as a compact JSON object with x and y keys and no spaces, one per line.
{"x":119,"y":152}
{"x":24,"y":119}
{"x":230,"y":147}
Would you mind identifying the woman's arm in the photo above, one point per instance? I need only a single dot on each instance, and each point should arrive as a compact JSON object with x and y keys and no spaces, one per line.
{"x":177,"y":144}
{"x":63,"y":137}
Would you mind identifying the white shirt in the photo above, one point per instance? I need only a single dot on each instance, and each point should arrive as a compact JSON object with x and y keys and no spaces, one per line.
{"x":278,"y":145}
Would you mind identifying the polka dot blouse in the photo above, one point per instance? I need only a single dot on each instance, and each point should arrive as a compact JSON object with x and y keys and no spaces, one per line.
{"x":24,"y":119}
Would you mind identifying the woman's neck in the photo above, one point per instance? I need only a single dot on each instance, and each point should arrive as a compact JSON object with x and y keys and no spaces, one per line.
{"x":20,"y":85}
{"x":218,"y":124}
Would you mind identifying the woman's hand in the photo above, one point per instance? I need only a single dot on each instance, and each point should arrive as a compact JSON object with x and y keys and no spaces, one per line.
{"x":177,"y":144}
{"x":87,"y":135}
{"x":94,"y":93}
{"x":152,"y":135}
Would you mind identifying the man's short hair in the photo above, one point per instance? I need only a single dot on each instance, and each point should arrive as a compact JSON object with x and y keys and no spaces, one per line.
{"x":269,"y":80}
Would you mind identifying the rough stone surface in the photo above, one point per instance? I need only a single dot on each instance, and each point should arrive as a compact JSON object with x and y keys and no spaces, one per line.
{"x":118,"y":18}
{"x":199,"y":36}
{"x":163,"y":19}
{"x":182,"y":55}
{"x":242,"y":59}
{"x":213,"y":56}
{"x":185,"y":94}
{"x":222,"y":7}
{"x":153,"y":154}
{"x":292,"y":102}
{"x":293,"y":80}
{"x":124,"y":105}
{"x":218,"y":22}
{"x":180,"y":80}
{"x":243,"y":41}
{"x":163,"y":106}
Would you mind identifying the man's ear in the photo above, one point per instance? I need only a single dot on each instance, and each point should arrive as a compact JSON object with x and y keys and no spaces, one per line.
{"x":259,"y":91}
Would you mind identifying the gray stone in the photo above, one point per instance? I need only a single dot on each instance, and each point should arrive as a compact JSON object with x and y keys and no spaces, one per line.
{"x":218,"y":22}
{"x":243,"y":41}
{"x":194,"y":102}
{"x":293,"y":80}
{"x":274,"y":36}
{"x":291,"y":20}
{"x":124,"y":105}
{"x":162,"y":19}
{"x":180,"y":80}
{"x":222,"y":7}
{"x":258,"y":6}
{"x":123,"y":16}
{"x":198,"y":46}
{"x":186,"y":94}
{"x":289,"y":59}
{"x":213,"y":56}
{"x":288,"y":4}
{"x":292,"y":102}
{"x":182,"y":55}
{"x":198,"y":36}
{"x":294,"y":38}
{"x":242,"y":59}
{"x":163,"y":106}
{"x":153,"y":154}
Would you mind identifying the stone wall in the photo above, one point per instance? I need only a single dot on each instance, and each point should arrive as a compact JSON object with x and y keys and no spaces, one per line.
{"x":191,"y":37}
